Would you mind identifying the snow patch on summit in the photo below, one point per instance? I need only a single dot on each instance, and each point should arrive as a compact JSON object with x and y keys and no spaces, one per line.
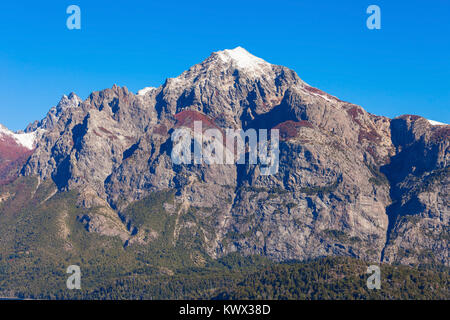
{"x":242,"y":59}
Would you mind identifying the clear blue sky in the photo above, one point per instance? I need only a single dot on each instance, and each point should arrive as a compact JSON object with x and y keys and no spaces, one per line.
{"x":402,"y":68}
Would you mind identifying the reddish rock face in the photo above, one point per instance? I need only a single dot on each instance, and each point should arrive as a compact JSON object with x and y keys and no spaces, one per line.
{"x":289,"y":129}
{"x":186,"y":118}
{"x":12,"y":157}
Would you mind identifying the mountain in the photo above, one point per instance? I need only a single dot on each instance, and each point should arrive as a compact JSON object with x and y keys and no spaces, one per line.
{"x":349,"y":183}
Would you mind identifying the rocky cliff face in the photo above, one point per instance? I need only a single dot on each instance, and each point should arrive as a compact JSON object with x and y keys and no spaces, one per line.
{"x":419,"y":176}
{"x":348,"y":183}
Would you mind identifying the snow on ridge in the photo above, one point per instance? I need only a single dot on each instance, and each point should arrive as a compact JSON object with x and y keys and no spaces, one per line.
{"x":319,"y":95}
{"x":322,"y":96}
{"x":436,"y":123}
{"x":143,"y":91}
{"x":312,"y":91}
{"x":26,"y":140}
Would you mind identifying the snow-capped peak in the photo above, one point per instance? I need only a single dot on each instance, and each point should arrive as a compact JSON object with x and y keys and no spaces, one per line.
{"x":436,"y":123}
{"x":237,"y":58}
{"x":26,"y":140}
{"x":242,"y":59}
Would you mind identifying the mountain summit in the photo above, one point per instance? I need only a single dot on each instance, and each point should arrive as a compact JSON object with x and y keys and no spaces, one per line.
{"x":242,"y":60}
{"x":349,"y":182}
